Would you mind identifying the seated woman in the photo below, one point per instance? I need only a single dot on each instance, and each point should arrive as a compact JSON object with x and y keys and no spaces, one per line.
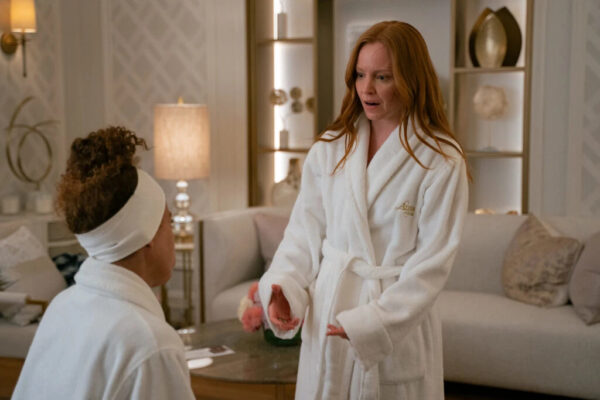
{"x":106,"y":336}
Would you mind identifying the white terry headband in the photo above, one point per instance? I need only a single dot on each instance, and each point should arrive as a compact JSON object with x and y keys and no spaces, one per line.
{"x":132,"y":227}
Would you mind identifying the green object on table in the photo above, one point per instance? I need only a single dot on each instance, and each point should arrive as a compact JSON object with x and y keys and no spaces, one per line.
{"x":275,"y":341}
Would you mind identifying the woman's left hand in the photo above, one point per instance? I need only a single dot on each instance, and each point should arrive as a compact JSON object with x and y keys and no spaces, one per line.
{"x":333,"y":330}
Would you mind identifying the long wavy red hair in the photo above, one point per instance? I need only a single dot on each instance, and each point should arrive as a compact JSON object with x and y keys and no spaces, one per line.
{"x":416,"y":83}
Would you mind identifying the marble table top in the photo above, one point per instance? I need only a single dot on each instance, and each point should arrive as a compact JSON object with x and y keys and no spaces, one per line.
{"x":254,"y":360}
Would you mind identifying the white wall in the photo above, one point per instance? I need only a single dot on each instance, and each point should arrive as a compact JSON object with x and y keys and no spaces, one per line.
{"x":349,"y":14}
{"x":565,"y":125}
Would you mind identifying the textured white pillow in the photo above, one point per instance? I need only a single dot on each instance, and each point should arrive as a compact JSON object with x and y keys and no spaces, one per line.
{"x":40,"y":280}
{"x":18,"y":247}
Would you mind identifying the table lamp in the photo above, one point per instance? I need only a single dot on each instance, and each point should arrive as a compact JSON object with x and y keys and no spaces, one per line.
{"x":181,"y":153}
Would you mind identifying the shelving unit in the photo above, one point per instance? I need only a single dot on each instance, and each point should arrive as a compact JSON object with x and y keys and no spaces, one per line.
{"x":301,"y":58}
{"x":501,"y":176}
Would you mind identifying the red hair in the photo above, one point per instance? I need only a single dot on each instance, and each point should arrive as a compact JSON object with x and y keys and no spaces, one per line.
{"x":416,"y":83}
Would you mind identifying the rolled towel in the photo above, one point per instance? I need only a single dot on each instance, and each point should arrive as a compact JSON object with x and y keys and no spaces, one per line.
{"x":13,"y":298}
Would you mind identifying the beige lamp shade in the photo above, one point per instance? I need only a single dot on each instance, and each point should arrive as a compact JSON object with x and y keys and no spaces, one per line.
{"x":22,"y":16}
{"x":181,"y":141}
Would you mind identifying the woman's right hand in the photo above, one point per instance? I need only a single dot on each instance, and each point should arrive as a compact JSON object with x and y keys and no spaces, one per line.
{"x":279,"y":310}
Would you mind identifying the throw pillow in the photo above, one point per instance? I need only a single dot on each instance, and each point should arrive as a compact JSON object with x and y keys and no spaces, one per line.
{"x":537,"y":266}
{"x":270,"y":230}
{"x":18,"y":247}
{"x":37,"y":278}
{"x":584,"y":287}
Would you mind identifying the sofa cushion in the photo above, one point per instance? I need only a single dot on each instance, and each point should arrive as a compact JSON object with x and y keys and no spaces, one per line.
{"x":492,"y":340}
{"x":20,"y":245}
{"x":270,"y":229}
{"x":537,"y":265}
{"x":478,"y":263}
{"x":584,"y":286}
{"x":225,"y":304}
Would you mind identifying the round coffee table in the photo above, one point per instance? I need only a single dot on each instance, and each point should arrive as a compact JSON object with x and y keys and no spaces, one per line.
{"x":257,"y":369}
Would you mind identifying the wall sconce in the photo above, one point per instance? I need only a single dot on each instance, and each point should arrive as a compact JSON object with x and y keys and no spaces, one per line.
{"x":22,"y":20}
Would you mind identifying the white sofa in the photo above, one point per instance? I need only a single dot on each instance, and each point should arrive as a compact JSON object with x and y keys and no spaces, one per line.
{"x":489,"y":339}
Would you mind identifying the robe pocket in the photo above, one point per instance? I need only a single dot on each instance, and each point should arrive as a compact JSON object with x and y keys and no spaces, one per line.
{"x":407,"y":362}
{"x":405,"y":230}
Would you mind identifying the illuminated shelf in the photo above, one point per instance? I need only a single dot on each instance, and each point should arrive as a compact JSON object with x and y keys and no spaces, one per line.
{"x":284,"y":150}
{"x":482,"y":70}
{"x":304,"y":40}
{"x":494,"y":154}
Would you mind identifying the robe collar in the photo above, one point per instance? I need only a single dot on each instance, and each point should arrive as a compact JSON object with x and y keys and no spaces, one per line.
{"x":365,"y":183}
{"x":117,"y":282}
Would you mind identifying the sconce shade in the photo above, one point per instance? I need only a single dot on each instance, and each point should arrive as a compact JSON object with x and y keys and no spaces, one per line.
{"x":181,"y":141}
{"x":22,"y":16}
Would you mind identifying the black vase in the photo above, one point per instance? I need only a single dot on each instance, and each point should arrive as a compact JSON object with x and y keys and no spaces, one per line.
{"x":275,"y":341}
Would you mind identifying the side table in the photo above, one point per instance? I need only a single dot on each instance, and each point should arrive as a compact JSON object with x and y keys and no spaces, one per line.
{"x":257,"y":369}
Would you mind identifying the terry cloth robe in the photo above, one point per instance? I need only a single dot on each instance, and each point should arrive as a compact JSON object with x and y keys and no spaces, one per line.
{"x":105,"y":338}
{"x":370,"y":248}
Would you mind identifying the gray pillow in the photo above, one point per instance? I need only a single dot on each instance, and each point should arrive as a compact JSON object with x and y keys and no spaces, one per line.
{"x":584,"y":287}
{"x":270,"y":230}
{"x":537,"y":265}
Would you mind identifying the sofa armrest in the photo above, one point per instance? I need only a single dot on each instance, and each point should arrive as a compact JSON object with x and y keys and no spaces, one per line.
{"x":229,"y":251}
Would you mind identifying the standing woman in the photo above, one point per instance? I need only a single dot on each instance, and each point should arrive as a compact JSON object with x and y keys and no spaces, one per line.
{"x":374,"y":231}
{"x":106,"y":336}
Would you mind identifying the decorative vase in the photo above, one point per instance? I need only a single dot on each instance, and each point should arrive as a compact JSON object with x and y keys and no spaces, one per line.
{"x":513,"y":36}
{"x":490,"y":42}
{"x":275,"y":341}
{"x":284,"y":192}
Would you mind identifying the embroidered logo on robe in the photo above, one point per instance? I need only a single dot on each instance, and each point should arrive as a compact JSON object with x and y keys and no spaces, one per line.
{"x":407,"y":209}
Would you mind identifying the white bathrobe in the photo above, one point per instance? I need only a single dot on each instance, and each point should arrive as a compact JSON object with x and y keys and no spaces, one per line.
{"x":370,"y":248}
{"x":105,"y":338}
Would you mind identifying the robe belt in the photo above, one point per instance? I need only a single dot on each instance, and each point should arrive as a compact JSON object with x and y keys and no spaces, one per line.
{"x":359,"y":266}
{"x":370,"y":381}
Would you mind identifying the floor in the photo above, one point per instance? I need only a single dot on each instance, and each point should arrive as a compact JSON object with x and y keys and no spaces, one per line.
{"x":458,"y":391}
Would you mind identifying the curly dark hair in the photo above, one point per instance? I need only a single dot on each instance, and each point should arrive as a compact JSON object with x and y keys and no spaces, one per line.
{"x":100,"y":177}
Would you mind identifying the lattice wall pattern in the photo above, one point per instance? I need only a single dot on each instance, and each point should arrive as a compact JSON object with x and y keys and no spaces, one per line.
{"x":590,"y":196}
{"x":44,"y":82}
{"x":156,"y":52}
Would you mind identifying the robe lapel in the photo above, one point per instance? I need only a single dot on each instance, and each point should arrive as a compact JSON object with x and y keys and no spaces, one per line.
{"x":356,"y":174}
{"x":386,"y":162}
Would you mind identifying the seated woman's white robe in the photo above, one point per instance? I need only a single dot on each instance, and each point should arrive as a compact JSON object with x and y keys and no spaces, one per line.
{"x":105,"y":338}
{"x":370,"y":248}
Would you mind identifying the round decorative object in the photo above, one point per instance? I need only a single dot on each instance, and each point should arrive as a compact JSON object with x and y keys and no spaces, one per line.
{"x":9,"y":43}
{"x":310,"y":104}
{"x":490,"y":42}
{"x":295,"y":93}
{"x":274,"y":340}
{"x":490,"y":102}
{"x":28,"y":132}
{"x":277,"y":97}
{"x":297,"y":106}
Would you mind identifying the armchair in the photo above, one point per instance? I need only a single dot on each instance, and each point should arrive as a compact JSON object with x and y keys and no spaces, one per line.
{"x":230,"y":260}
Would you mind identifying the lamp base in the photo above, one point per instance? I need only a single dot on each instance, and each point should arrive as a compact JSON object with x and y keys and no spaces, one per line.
{"x":183,"y":220}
